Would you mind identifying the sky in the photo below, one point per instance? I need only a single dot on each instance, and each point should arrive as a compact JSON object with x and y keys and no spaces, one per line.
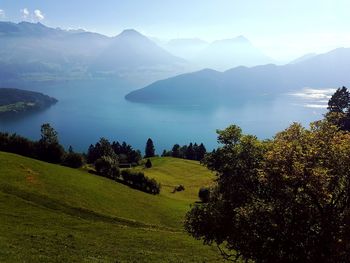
{"x":283,"y":29}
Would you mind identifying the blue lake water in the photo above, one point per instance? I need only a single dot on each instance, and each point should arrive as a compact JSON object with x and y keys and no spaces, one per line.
{"x":88,"y":110}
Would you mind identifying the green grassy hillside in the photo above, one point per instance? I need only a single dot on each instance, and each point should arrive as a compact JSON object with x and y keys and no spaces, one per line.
{"x":172,"y":172}
{"x":50,"y":213}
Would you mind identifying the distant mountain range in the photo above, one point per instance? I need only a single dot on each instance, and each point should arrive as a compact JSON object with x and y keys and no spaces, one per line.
{"x":187,"y":48}
{"x":34,"y":51}
{"x":220,"y":54}
{"x":329,"y":70}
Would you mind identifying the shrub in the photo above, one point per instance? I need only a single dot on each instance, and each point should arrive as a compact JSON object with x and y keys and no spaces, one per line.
{"x":179,"y":188}
{"x":49,"y":152}
{"x":141,"y":182}
{"x":73,"y":160}
{"x":107,"y":167}
{"x":148,"y":164}
{"x":204,"y":194}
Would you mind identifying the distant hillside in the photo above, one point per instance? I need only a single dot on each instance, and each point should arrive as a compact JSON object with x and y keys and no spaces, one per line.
{"x":133,"y":56}
{"x":187,"y":48}
{"x":303,"y":58}
{"x":52,"y":213}
{"x":218,"y":55}
{"x":36,"y":52}
{"x":15,"y":101}
{"x":329,"y":70}
{"x":130,"y":49}
{"x":229,"y":53}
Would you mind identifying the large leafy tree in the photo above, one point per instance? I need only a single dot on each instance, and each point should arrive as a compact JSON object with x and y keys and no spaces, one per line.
{"x":284,"y":200}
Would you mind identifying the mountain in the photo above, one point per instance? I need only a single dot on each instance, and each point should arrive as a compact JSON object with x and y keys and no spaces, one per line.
{"x":187,"y":48}
{"x":302,"y":58}
{"x":229,"y":53}
{"x":33,"y":51}
{"x":208,"y":86}
{"x":29,"y":50}
{"x":218,"y":55}
{"x":130,"y":50}
{"x":24,"y":29}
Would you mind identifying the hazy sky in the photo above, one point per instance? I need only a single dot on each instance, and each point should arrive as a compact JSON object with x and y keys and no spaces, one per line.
{"x":283,"y":29}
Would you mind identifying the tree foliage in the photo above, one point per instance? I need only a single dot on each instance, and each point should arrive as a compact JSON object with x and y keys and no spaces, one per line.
{"x":149,"y":150}
{"x":107,"y":166}
{"x":48,"y":147}
{"x":73,"y":160}
{"x":339,"y":109}
{"x":148,"y":164}
{"x":204,"y":194}
{"x":190,"y":152}
{"x":141,"y":182}
{"x":284,"y":200}
{"x":340,"y":101}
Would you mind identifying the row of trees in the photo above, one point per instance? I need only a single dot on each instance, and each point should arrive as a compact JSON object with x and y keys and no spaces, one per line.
{"x":280,"y":200}
{"x":124,"y":152}
{"x":47,"y":149}
{"x":190,"y":152}
{"x":141,"y":182}
{"x":106,"y":158}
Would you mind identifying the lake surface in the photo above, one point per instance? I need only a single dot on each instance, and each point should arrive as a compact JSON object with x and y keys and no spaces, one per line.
{"x":88,"y":110}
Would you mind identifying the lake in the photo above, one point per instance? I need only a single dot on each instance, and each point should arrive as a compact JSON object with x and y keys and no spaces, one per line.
{"x":88,"y":110}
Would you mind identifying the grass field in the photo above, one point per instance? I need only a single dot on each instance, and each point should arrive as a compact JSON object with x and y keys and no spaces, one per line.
{"x":50,"y":213}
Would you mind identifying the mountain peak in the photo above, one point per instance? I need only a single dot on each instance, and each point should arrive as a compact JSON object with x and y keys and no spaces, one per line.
{"x":241,"y":38}
{"x":130,"y":33}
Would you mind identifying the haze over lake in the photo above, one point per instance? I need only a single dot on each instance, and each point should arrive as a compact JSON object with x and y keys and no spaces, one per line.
{"x":88,"y":110}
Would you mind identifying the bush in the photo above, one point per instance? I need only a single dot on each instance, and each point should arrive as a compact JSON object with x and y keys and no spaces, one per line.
{"x":139,"y":181}
{"x":50,"y":152}
{"x":107,"y":167}
{"x":17,"y":144}
{"x":148,"y":164}
{"x":73,"y":160}
{"x":204,"y":194}
{"x":179,"y":188}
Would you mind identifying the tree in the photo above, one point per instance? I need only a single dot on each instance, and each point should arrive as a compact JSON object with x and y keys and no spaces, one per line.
{"x":101,"y":148}
{"x":204,"y":194}
{"x":105,"y":149}
{"x":201,"y":151}
{"x":108,"y":167}
{"x":190,"y":153}
{"x":340,"y":101}
{"x":141,"y":182}
{"x":148,"y":164}
{"x":73,"y":160}
{"x":48,"y":134}
{"x":149,"y":150}
{"x":284,"y":200}
{"x":70,"y":149}
{"x":339,"y":109}
{"x":48,"y":147}
{"x":175,"y":152}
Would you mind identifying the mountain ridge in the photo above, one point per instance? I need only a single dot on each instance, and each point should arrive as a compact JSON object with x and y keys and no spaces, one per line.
{"x":321,"y":71}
